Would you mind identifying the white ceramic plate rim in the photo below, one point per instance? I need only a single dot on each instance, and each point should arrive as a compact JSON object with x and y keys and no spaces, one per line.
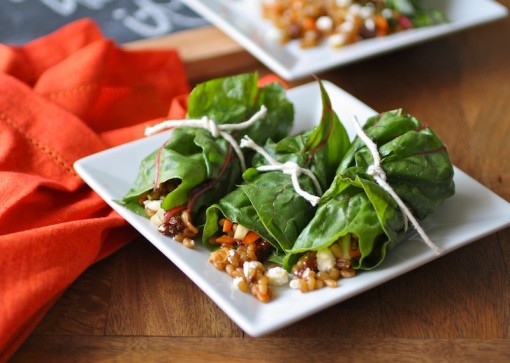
{"x":243,"y":23}
{"x":471,"y":214}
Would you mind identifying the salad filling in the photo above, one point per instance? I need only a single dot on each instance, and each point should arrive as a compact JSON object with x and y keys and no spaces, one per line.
{"x":246,"y":257}
{"x":242,"y":254}
{"x":175,"y":223}
{"x":344,"y":22}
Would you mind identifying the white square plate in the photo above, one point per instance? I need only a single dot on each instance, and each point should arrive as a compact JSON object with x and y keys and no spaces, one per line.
{"x":241,"y":20}
{"x":473,"y":212}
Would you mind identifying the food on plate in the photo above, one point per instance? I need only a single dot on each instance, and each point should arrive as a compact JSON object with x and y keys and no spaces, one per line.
{"x":201,"y":161}
{"x":257,"y":192}
{"x":358,"y":220}
{"x":342,"y":22}
{"x":260,"y":220}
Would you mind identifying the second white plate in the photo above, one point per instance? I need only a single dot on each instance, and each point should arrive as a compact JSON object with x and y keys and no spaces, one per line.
{"x":242,"y":21}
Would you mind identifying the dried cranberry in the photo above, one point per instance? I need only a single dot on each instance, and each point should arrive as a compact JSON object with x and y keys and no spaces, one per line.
{"x":263,"y":250}
{"x":174,"y":226}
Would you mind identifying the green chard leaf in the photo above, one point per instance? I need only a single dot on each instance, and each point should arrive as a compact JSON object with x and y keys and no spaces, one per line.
{"x":331,"y":137}
{"x":204,"y":167}
{"x":413,"y":157}
{"x":357,"y":207}
{"x":262,"y":206}
{"x":266,"y":202}
{"x":418,"y":168}
{"x":417,"y":13}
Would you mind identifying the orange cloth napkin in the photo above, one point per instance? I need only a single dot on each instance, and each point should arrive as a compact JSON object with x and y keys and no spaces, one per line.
{"x":64,"y":96}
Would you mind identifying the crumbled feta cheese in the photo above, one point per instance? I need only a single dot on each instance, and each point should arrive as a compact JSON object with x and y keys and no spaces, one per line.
{"x":366,"y":11}
{"x":294,"y":284}
{"x":152,"y":204}
{"x":231,"y":255}
{"x":277,"y":276}
{"x":370,"y":25}
{"x":355,"y":9}
{"x":237,"y":281}
{"x":324,"y":23}
{"x":343,"y":3}
{"x":337,"y":40}
{"x":273,"y":35}
{"x":346,"y":27}
{"x":325,"y":260}
{"x":157,"y":218}
{"x":249,"y":267}
{"x":159,"y":213}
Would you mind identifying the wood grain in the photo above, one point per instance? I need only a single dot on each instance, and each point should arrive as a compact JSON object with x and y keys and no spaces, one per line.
{"x":136,"y":305}
{"x":185,"y":349}
{"x":150,"y":296}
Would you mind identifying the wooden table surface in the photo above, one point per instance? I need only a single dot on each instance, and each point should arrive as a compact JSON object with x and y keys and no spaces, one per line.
{"x":136,"y":305}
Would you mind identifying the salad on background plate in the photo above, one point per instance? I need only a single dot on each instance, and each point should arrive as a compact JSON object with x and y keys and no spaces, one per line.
{"x":343,"y":22}
{"x":318,"y":38}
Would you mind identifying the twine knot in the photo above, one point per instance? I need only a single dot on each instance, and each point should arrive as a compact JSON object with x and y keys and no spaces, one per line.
{"x":379,"y":175}
{"x":289,"y":168}
{"x":214,"y":128}
{"x":376,"y":171}
{"x":211,"y":126}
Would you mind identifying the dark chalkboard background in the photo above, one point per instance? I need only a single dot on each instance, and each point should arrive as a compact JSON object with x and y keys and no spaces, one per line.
{"x":122,"y":20}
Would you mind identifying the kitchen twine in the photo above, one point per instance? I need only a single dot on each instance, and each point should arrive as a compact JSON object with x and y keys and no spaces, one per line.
{"x":289,"y":168}
{"x":211,"y":126}
{"x":377,"y":172}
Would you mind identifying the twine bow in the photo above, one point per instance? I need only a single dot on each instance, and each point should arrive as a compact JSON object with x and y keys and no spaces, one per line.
{"x":216,"y":130}
{"x":289,"y":168}
{"x":377,"y":172}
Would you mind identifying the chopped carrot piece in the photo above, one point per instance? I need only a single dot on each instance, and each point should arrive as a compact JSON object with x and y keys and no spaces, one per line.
{"x":227,"y":225}
{"x":382,"y":26}
{"x":250,"y":237}
{"x":225,"y":239}
{"x":309,"y":23}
